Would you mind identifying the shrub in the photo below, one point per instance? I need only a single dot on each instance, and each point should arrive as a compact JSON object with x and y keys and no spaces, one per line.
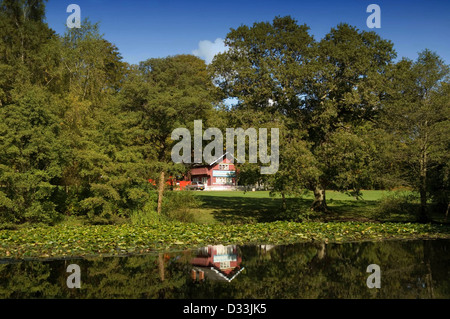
{"x":178,"y":205}
{"x":147,"y":215}
{"x":401,"y":205}
{"x":43,"y":213}
{"x":299,"y":214}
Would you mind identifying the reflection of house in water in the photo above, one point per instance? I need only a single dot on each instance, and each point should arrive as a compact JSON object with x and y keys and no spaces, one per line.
{"x":216,"y":262}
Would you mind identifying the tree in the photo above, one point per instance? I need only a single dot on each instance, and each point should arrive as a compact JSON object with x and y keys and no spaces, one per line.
{"x":326,"y":90}
{"x":26,"y":43}
{"x":416,"y":117}
{"x":32,"y":148}
{"x":32,"y":156}
{"x":345,"y":94}
{"x":92,"y":67}
{"x":98,"y":174}
{"x":159,"y":96}
{"x":265,"y":68}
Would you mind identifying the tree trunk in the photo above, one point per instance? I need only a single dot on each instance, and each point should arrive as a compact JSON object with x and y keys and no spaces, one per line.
{"x":160,"y":191}
{"x":283,"y":202}
{"x":319,"y":204}
{"x":423,"y":216}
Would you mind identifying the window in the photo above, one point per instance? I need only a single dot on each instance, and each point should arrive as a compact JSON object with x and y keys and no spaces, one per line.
{"x":221,"y":180}
{"x":224,"y":180}
{"x":224,"y":265}
{"x":224,"y":167}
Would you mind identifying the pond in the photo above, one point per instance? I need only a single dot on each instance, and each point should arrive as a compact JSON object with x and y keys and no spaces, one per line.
{"x":407,"y":269}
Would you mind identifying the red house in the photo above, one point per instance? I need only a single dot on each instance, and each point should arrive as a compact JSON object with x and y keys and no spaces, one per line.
{"x":218,"y":175}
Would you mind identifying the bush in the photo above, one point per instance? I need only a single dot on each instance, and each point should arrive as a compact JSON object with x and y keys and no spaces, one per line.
{"x":147,"y":215}
{"x":43,"y":213}
{"x":397,"y":205}
{"x":298,"y":214}
{"x":178,"y":205}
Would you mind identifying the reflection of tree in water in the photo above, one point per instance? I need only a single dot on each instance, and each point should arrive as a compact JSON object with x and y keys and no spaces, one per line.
{"x":25,"y":280}
{"x":151,"y":276}
{"x":409,"y":269}
{"x":337,"y":271}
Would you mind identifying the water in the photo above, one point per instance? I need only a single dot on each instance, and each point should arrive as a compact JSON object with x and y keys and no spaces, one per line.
{"x":409,"y":269}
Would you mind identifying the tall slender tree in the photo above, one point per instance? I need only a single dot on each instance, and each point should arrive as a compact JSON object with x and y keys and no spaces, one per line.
{"x":416,"y":117}
{"x":31,"y":147}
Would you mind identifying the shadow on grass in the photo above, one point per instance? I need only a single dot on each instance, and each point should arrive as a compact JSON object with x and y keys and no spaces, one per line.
{"x":241,"y":209}
{"x":237,"y":210}
{"x":352,"y":210}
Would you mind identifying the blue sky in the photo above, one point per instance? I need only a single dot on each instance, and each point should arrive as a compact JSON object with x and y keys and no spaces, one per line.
{"x":143,"y":29}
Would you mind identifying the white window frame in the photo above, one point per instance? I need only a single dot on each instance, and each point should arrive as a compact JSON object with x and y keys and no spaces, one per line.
{"x":225,"y":264}
{"x":221,"y":180}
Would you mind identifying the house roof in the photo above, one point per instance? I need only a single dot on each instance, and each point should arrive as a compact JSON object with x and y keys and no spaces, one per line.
{"x":217,"y":160}
{"x":221,"y":157}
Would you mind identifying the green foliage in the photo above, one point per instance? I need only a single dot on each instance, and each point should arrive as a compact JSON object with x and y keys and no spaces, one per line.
{"x":158,"y":96}
{"x":63,"y":144}
{"x":32,"y":154}
{"x":178,"y":205}
{"x":398,"y":205}
{"x":25,"y":40}
{"x":321,"y":94}
{"x":82,"y":132}
{"x":416,"y":120}
{"x":64,"y":240}
{"x":298,"y":212}
{"x":147,"y":215}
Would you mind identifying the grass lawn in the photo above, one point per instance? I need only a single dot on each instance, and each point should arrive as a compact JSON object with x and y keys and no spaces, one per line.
{"x":250,"y":207}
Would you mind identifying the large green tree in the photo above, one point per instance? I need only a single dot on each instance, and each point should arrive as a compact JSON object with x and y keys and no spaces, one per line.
{"x":327,"y":91}
{"x":32,"y":154}
{"x":31,"y":145}
{"x":100,"y":175}
{"x":345,"y":96}
{"x":160,"y":95}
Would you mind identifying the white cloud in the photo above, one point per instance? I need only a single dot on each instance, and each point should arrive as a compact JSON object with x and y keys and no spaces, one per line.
{"x":207,"y":49}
